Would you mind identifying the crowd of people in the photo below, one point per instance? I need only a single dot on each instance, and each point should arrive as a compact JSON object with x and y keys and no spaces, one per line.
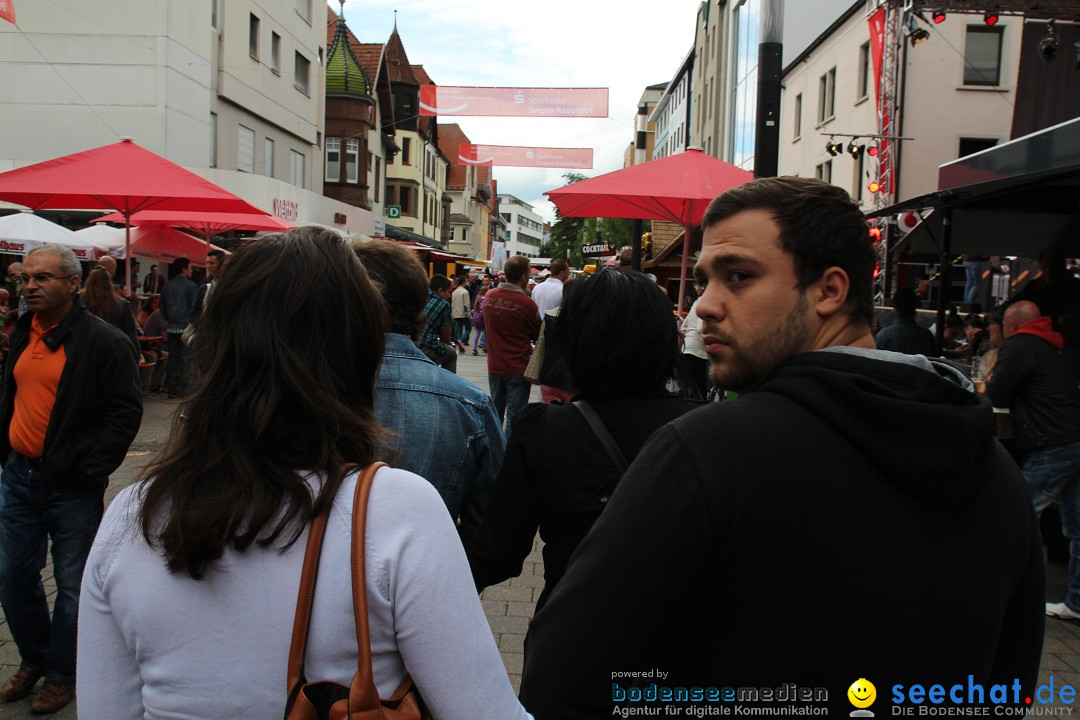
{"x":720,"y":543}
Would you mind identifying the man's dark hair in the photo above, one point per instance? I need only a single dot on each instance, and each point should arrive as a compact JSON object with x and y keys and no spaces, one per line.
{"x":515,"y":268}
{"x":401,"y":279}
{"x":215,"y":253}
{"x":178,"y":266}
{"x":905,"y":302}
{"x":996,"y":316}
{"x":820,"y":227}
{"x":439,"y":282}
{"x":558,"y":266}
{"x":617,"y":334}
{"x":272,"y":405}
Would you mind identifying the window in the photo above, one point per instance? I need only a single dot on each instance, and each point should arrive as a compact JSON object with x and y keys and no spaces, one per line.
{"x":464,"y":234}
{"x":213,"y":14}
{"x":352,"y":161}
{"x":213,"y":139}
{"x":253,"y":37}
{"x":275,"y":53}
{"x":858,"y":182}
{"x":245,"y":150}
{"x":296,"y":168}
{"x":827,"y":96}
{"x":824,"y":171}
{"x":268,"y":150}
{"x":798,"y":116}
{"x":333,"y":159}
{"x":302,"y":69}
{"x":378,"y":180}
{"x":406,"y":148}
{"x":982,"y":55}
{"x":970,"y":146}
{"x":405,"y":200}
{"x":863,"y":88}
{"x":303,"y":9}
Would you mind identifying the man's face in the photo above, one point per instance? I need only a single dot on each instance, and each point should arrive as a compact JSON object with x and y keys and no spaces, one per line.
{"x":186,"y":271}
{"x":446,"y":293}
{"x":48,"y":296}
{"x":997,"y":334}
{"x":212,"y":264}
{"x":485,"y":281}
{"x":753,"y":315}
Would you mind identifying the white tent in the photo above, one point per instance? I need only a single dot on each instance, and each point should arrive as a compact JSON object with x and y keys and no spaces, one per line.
{"x":23,"y":231}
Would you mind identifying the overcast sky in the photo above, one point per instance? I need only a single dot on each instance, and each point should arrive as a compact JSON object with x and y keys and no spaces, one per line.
{"x":623,"y":45}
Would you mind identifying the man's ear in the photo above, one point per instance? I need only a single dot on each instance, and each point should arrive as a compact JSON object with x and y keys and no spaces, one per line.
{"x":830,"y":292}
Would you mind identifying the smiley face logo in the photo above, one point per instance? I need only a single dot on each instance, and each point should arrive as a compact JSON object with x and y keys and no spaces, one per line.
{"x":862,"y":693}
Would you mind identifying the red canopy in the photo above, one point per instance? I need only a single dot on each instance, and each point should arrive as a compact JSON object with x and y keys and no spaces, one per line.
{"x":675,"y":189}
{"x":122,"y":177}
{"x":206,"y":224}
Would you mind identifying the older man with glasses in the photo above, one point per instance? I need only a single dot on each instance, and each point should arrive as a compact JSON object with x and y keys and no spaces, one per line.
{"x":70,"y":408}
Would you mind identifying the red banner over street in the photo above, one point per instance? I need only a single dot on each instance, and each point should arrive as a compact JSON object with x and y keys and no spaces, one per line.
{"x":514,"y":102}
{"x":7,"y":10}
{"x":514,"y":156}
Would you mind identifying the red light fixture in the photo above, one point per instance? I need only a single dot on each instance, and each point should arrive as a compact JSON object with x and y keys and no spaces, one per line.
{"x":990,"y":19}
{"x":873,"y":150}
{"x":874,"y":186}
{"x":938,"y":17}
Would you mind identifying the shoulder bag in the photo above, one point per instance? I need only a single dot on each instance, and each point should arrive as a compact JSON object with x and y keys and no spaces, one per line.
{"x":329,"y":700}
{"x":536,"y":360}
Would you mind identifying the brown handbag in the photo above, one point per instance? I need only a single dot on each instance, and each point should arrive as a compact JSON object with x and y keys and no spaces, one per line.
{"x":329,"y":700}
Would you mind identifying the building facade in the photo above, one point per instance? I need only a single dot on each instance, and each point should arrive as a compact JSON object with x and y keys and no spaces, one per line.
{"x":647,"y":102}
{"x":671,"y":116}
{"x":233,"y":92}
{"x":524,"y":228}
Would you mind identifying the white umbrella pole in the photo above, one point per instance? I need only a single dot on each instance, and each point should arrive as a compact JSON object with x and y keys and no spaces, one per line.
{"x":682,"y":273}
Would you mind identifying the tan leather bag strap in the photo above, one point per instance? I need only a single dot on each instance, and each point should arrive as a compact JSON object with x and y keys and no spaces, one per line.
{"x":306,"y":594}
{"x":363,"y":694}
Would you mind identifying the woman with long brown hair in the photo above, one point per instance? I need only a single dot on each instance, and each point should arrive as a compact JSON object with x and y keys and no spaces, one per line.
{"x":102,"y":300}
{"x":190,"y":590}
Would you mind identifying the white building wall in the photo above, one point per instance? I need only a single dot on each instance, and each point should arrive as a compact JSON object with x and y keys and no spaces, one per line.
{"x":525,"y":229}
{"x":670,"y":115}
{"x":78,"y":74}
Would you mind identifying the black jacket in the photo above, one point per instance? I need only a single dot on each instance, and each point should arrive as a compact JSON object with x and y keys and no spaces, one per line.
{"x":852,"y":518}
{"x":1039,"y":384}
{"x":98,"y":401}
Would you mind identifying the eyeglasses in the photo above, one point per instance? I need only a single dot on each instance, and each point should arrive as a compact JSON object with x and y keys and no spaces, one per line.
{"x":40,"y":278}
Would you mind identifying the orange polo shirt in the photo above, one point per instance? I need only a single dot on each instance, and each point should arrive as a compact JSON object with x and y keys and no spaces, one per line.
{"x":37,"y":376}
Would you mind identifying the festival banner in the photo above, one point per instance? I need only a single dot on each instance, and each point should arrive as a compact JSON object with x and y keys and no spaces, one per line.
{"x":513,"y":102}
{"x":877,"y":46}
{"x":514,"y":156}
{"x":7,"y":10}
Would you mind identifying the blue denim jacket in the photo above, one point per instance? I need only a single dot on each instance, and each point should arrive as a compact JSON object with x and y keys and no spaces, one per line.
{"x":445,"y":428}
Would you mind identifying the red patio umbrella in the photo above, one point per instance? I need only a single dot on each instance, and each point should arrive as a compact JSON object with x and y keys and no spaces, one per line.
{"x":675,"y":189}
{"x":206,"y":224}
{"x":122,"y":177}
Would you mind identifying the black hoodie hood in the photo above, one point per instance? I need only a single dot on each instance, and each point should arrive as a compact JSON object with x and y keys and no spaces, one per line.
{"x":886,"y":403}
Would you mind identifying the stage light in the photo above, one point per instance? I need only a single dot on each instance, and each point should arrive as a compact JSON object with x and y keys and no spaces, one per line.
{"x":990,"y":19}
{"x":873,"y":151}
{"x":855,"y":150}
{"x":834,"y":148}
{"x":918,"y":36}
{"x":874,"y":186}
{"x":938,"y":16}
{"x":1049,"y":45}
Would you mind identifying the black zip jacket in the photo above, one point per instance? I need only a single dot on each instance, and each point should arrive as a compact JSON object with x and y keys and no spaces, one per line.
{"x":98,"y":405}
{"x":1039,"y":384}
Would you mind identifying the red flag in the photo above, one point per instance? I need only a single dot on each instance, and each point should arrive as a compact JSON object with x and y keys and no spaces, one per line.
{"x":513,"y":156}
{"x":7,"y":10}
{"x":513,"y":102}
{"x":877,"y":46}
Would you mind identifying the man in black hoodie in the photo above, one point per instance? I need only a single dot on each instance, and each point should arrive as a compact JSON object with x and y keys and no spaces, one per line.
{"x":851,"y":518}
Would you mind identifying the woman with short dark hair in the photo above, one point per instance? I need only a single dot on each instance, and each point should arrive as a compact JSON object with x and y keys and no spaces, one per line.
{"x":620,"y":345}
{"x":190,"y":590}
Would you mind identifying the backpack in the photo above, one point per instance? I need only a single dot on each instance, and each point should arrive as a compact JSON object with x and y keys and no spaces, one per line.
{"x":478,"y":314}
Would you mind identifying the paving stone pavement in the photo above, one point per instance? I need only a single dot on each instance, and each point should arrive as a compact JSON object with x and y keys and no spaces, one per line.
{"x":509,"y":605}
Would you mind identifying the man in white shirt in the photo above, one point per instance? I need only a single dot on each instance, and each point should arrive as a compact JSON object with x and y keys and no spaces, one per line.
{"x":548,"y":294}
{"x":460,"y":309}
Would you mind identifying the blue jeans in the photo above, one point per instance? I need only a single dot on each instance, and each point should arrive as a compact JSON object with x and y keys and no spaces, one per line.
{"x":973,"y":279}
{"x":176,"y":368}
{"x":462,"y":329}
{"x":510,"y":393}
{"x":29,"y":516}
{"x":1051,"y":474}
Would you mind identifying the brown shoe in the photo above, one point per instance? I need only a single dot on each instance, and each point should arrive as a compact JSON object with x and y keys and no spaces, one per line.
{"x":52,"y":696}
{"x":20,"y":684}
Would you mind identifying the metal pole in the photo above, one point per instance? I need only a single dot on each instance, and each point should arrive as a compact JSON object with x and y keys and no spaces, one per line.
{"x":770,"y":59}
{"x":946,"y":263}
{"x":639,"y":157}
